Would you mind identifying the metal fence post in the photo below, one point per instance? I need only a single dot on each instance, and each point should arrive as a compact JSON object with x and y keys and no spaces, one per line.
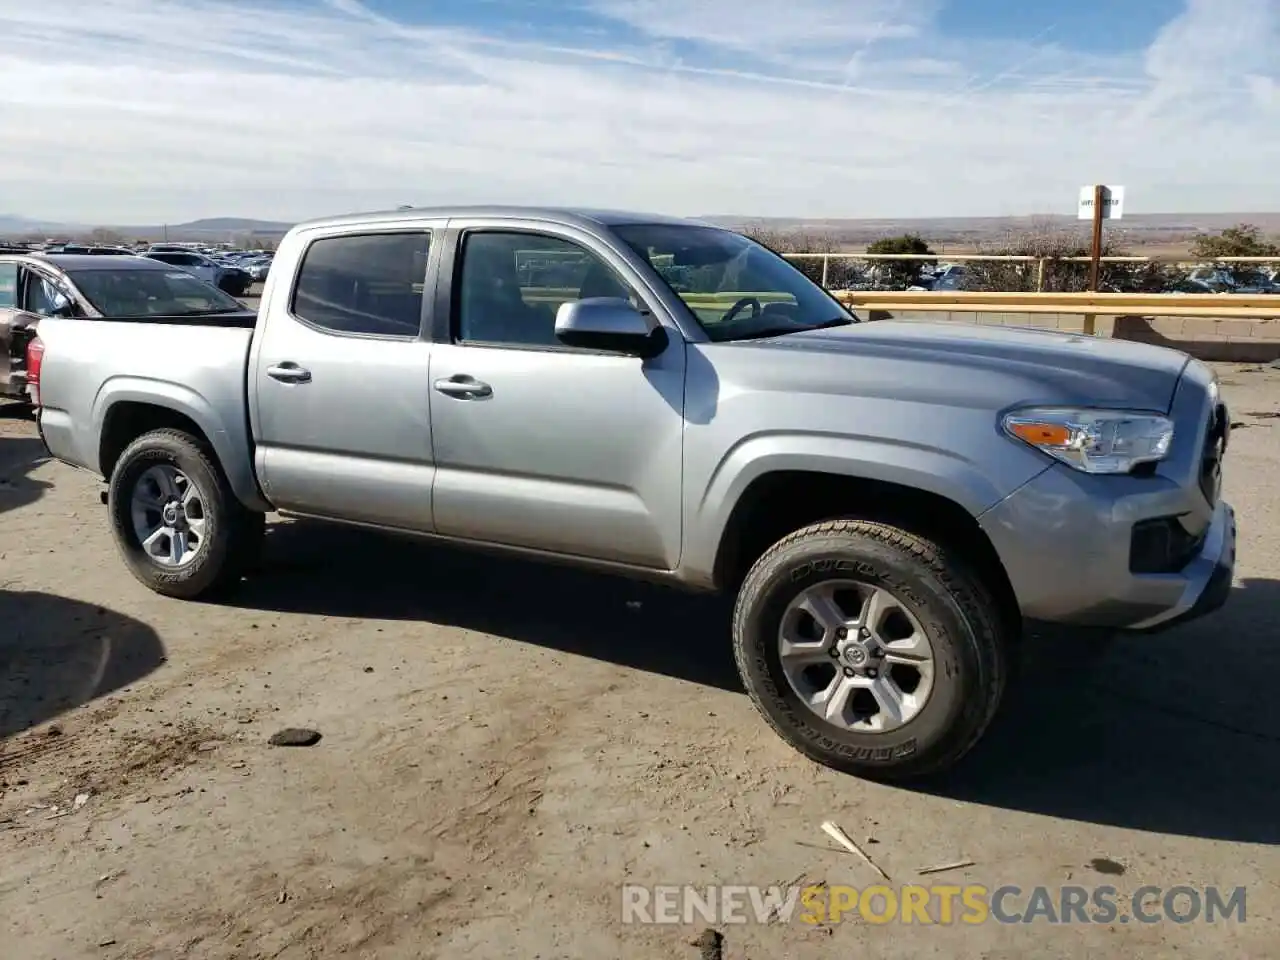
{"x":826,"y":262}
{"x":1039,"y":274}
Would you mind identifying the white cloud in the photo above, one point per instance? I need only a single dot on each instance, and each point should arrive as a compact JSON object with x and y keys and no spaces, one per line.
{"x":143,"y":110}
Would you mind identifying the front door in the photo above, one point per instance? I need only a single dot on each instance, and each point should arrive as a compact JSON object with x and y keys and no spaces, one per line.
{"x":339,"y":381}
{"x":541,"y":445}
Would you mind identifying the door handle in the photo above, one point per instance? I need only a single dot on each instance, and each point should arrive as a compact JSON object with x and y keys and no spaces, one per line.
{"x":289,"y":372}
{"x":464,"y":387}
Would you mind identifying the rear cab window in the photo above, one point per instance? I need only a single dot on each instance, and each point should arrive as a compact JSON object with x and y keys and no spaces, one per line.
{"x":368,"y":284}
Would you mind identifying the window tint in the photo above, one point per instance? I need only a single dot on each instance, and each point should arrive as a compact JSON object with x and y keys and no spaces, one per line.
{"x":511,"y":284}
{"x":364,"y":284}
{"x":8,"y":285}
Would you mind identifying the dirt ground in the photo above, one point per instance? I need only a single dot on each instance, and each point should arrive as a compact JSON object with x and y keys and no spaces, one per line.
{"x":504,"y":745}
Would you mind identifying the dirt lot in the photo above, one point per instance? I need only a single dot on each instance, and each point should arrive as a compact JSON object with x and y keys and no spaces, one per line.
{"x":504,"y":745}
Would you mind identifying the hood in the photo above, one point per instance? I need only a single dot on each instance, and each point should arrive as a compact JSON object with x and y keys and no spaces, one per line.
{"x":970,"y":364}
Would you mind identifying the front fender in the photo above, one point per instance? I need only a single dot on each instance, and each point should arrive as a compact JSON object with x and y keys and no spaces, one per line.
{"x":227,"y":435}
{"x":971,"y":484}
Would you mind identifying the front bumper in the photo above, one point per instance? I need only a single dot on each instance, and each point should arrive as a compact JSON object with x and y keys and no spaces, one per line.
{"x":1136,"y":552}
{"x":1209,"y":576}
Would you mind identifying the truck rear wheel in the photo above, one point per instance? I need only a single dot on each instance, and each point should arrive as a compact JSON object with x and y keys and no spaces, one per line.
{"x":176,"y":521}
{"x":870,"y":649}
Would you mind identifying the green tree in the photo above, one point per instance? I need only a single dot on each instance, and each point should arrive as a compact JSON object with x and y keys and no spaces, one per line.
{"x":901,"y":273}
{"x":1242,"y":240}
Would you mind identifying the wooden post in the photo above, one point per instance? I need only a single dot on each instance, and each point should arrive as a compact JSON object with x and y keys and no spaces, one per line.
{"x":1095,"y":254}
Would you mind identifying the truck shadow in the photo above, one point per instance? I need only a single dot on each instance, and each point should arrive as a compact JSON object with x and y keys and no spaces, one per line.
{"x":57,"y":654}
{"x":1176,"y":733}
{"x":348,"y":572}
{"x":18,"y":457}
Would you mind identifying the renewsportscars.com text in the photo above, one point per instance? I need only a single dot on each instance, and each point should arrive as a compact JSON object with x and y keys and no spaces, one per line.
{"x":936,"y":904}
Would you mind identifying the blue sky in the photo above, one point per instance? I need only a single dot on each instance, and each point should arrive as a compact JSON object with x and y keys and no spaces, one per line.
{"x":170,"y":109}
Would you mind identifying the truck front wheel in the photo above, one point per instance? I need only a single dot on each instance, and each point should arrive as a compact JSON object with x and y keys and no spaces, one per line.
{"x":870,"y":649}
{"x":176,"y":521}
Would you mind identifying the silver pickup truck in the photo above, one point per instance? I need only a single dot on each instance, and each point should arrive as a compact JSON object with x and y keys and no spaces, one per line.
{"x":888,"y":502}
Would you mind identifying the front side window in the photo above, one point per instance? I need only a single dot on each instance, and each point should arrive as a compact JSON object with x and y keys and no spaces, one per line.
{"x":369,"y":284}
{"x":510,"y":285}
{"x":147,"y":292}
{"x":735,"y":288}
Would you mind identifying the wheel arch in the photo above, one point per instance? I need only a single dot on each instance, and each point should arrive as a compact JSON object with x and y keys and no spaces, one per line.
{"x":780,"y":502}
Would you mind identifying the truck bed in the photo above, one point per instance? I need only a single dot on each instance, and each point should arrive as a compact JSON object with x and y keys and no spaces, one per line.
{"x":198,"y":364}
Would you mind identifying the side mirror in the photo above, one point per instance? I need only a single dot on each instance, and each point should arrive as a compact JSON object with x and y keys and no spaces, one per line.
{"x":608,"y":323}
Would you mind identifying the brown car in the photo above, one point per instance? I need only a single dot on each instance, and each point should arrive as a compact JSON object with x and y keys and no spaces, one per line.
{"x":25,"y":290}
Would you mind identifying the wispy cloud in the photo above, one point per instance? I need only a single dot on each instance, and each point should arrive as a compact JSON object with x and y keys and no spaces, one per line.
{"x":139,"y":110}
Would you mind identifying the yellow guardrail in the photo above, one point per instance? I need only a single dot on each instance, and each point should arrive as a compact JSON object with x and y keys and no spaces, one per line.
{"x":1226,"y":306}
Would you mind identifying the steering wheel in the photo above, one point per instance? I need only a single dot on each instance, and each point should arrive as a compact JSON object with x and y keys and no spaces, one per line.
{"x":756,"y":309}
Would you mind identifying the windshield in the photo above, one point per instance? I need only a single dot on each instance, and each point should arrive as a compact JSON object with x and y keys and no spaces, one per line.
{"x":735,"y":288}
{"x":133,"y":292}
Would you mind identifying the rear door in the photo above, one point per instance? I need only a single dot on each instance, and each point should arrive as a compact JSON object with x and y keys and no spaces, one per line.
{"x":26,"y":295}
{"x":339,"y":378}
{"x":8,"y":311}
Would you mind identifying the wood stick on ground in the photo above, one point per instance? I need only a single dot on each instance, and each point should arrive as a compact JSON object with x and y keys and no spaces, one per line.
{"x":842,"y":838}
{"x":943,"y":867}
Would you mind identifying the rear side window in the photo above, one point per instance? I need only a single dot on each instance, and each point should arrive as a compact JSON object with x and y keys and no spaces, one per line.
{"x":368,"y":284}
{"x":8,"y":285}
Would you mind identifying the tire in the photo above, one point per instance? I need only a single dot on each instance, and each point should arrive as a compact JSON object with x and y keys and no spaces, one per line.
{"x":231,"y":536}
{"x":933,"y":589}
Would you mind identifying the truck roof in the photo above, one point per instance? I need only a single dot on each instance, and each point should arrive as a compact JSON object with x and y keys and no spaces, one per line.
{"x":569,"y":216}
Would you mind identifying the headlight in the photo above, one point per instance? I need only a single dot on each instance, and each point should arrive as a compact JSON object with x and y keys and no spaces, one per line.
{"x":1095,"y":441}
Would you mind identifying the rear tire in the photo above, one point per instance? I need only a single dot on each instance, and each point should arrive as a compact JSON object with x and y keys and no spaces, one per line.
{"x":168,"y":490}
{"x":931,"y":593}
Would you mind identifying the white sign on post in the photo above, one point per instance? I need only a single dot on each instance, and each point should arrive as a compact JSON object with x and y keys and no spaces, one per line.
{"x":1112,"y":203}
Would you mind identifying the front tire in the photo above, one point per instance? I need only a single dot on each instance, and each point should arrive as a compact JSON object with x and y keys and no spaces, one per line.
{"x":870,"y":649}
{"x":175,"y":519}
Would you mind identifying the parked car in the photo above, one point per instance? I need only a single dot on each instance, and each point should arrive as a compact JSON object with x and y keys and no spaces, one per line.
{"x":37,"y":287}
{"x":231,"y":279}
{"x":887,"y":502}
{"x":257,"y":268}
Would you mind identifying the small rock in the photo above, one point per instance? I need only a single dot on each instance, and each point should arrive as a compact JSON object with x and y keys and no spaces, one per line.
{"x":368,"y":669}
{"x":207,"y":747}
{"x":710,"y":945}
{"x":283,"y":897}
{"x":1108,"y":866}
{"x":53,"y":732}
{"x":81,"y":800}
{"x":107,"y":942}
{"x":295,"y":737}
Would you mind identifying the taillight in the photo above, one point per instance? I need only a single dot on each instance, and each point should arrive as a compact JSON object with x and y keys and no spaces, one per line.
{"x":35,"y":360}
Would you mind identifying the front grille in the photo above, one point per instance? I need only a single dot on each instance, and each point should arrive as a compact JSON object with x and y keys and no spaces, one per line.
{"x":1215,"y":444}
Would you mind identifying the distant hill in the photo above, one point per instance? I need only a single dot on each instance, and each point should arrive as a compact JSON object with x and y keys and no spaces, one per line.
{"x":209,"y":229}
{"x":1136,"y":231}
{"x":232,"y":224}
